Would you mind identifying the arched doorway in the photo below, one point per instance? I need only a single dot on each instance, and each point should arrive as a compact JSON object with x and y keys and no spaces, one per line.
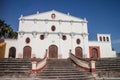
{"x":94,"y":53}
{"x":12,"y":52}
{"x":53,"y":51}
{"x":27,"y":52}
{"x":78,"y":52}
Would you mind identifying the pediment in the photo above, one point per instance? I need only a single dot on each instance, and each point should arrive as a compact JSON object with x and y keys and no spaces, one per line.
{"x":52,"y":15}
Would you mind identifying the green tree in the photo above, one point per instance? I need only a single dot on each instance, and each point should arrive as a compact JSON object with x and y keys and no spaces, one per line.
{"x":6,"y":31}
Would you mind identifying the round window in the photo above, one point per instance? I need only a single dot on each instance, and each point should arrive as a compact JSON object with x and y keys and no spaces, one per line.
{"x":53,"y":15}
{"x":41,"y":37}
{"x":53,"y":28}
{"x":78,"y":41}
{"x":27,"y":40}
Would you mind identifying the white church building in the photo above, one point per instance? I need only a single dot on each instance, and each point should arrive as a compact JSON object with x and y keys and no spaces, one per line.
{"x":58,"y":33}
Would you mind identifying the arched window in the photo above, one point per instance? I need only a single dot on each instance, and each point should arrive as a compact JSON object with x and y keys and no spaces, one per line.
{"x":107,"y":38}
{"x":100,"y":38}
{"x":27,"y":40}
{"x":78,"y":41}
{"x":103,"y":38}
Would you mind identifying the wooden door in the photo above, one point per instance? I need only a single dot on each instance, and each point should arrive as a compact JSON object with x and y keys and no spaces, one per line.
{"x":53,"y":51}
{"x":94,"y":53}
{"x":78,"y":52}
{"x":27,"y":52}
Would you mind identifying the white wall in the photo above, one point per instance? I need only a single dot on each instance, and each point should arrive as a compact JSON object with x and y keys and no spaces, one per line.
{"x":65,"y":24}
{"x":10,"y":43}
{"x":105,"y":49}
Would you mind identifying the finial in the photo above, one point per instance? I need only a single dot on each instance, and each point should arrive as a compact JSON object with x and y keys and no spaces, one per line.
{"x":21,"y":16}
{"x":53,"y":10}
{"x":68,"y":13}
{"x":37,"y":12}
{"x":85,"y":19}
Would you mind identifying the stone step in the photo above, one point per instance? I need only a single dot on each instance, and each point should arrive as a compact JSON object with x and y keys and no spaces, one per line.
{"x":67,"y":77}
{"x":107,"y":66}
{"x":13,"y":63}
{"x":15,"y":67}
{"x":62,"y":69}
{"x":61,"y":73}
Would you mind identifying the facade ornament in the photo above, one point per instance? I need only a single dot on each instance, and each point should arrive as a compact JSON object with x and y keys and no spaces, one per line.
{"x":21,"y":33}
{"x":46,"y":34}
{"x":34,"y":33}
{"x":37,"y":12}
{"x":85,"y":19}
{"x":22,"y":20}
{"x":46,"y":21}
{"x":71,"y":22}
{"x":35,"y":20}
{"x":21,"y":16}
{"x":60,"y":21}
{"x":82,"y":23}
{"x":68,"y":13}
{"x":84,"y":35}
{"x":60,"y":34}
{"x":72,"y":34}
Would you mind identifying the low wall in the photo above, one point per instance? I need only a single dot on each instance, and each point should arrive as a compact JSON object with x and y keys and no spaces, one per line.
{"x":86,"y":65}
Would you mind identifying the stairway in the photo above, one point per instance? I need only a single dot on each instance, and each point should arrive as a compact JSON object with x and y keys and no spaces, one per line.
{"x":15,"y":67}
{"x":108,"y":67}
{"x":62,"y":69}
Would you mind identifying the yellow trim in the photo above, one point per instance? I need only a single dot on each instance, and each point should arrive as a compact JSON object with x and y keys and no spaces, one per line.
{"x":2,"y":50}
{"x":2,"y":44}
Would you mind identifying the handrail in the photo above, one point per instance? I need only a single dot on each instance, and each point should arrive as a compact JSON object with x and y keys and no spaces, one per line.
{"x":38,"y":66}
{"x":86,"y":65}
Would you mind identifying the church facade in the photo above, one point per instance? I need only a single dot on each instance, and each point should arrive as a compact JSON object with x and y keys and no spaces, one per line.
{"x":58,"y":33}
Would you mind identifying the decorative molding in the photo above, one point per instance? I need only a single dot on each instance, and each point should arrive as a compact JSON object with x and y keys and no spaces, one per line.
{"x":84,"y":35}
{"x":35,"y":20}
{"x":21,"y":33}
{"x":46,"y":21}
{"x":60,"y":21}
{"x":46,"y":34}
{"x":71,"y":22}
{"x":49,"y":20}
{"x":60,"y":34}
{"x":22,"y":20}
{"x":34,"y":33}
{"x":72,"y":34}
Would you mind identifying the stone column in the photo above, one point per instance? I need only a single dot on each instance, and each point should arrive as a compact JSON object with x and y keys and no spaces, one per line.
{"x":34,"y":65}
{"x":92,"y":66}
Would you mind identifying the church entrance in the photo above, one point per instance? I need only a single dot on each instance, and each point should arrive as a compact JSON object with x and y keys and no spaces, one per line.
{"x":12,"y":52}
{"x":94,"y":52}
{"x":53,"y":51}
{"x":78,"y":52}
{"x":27,"y":52}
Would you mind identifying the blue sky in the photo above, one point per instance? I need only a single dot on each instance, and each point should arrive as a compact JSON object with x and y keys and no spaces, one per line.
{"x":103,"y":15}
